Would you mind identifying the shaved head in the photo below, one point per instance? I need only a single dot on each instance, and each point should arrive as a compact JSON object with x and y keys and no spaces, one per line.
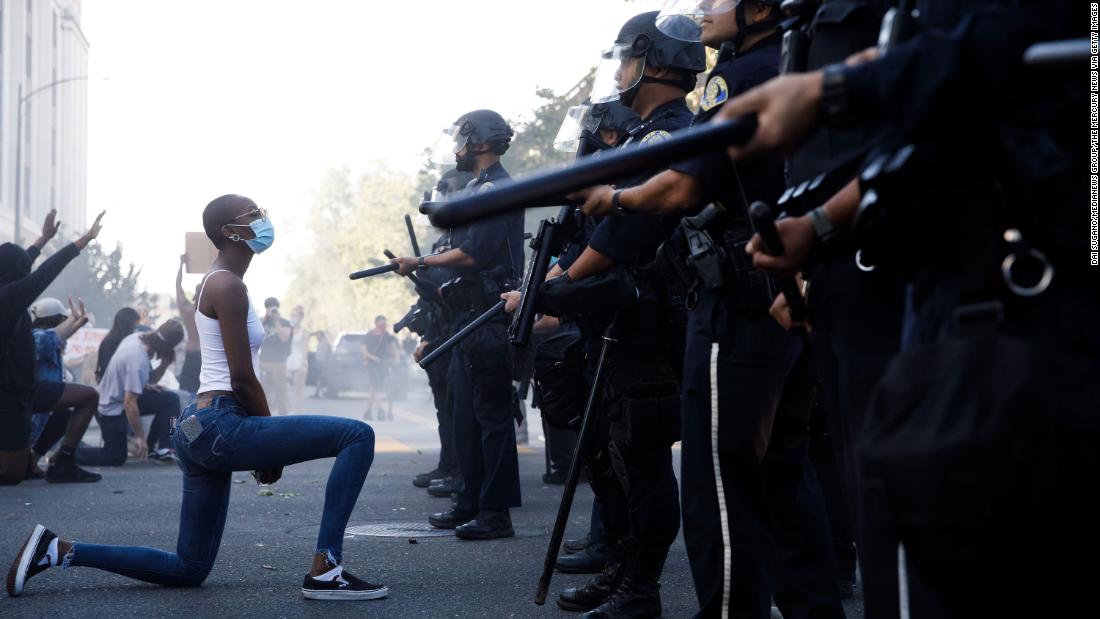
{"x":221,"y":211}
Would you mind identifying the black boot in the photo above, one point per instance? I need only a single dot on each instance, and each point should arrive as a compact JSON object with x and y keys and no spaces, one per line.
{"x":639,"y":594}
{"x":63,"y":470}
{"x":489,"y":524}
{"x":597,"y":590}
{"x":590,"y":560}
{"x":446,"y":487}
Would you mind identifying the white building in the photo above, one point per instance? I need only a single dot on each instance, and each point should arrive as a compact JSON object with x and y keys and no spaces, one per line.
{"x":41,"y":44}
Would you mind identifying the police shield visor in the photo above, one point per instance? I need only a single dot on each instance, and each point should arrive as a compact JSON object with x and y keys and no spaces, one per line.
{"x":683,"y":19}
{"x":447,"y":145}
{"x":578,"y":119}
{"x":619,"y":71}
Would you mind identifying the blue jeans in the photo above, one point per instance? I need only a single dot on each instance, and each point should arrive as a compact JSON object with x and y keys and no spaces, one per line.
{"x":230,"y":440}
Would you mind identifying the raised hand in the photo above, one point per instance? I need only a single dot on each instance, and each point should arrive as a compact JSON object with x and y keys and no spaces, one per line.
{"x":92,"y":232}
{"x":78,"y":314}
{"x":51,"y":225}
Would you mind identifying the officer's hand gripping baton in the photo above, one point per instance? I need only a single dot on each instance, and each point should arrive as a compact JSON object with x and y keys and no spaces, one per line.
{"x":764,"y":222}
{"x":426,"y":291}
{"x":549,"y":187}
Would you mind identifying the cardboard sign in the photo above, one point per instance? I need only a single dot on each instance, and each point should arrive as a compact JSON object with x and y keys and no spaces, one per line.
{"x":200,"y":252}
{"x":84,"y":342}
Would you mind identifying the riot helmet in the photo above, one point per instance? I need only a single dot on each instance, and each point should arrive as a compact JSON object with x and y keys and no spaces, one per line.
{"x":477,"y":127}
{"x":583,"y":124}
{"x":683,"y":19}
{"x":640,"y":44}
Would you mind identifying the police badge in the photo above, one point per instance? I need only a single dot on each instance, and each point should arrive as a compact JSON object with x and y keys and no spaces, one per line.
{"x":715,"y":94}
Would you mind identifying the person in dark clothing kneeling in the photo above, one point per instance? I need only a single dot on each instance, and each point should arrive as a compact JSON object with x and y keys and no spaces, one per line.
{"x":19,"y":287}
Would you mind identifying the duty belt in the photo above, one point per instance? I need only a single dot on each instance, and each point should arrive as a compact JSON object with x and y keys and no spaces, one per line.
{"x":703,"y":255}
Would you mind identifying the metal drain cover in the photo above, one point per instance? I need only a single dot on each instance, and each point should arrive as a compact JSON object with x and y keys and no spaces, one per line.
{"x":406,"y":528}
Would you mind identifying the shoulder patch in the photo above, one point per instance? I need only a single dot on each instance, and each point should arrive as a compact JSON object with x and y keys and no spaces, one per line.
{"x":654,"y":137}
{"x":486,"y":186}
{"x":714,"y":94}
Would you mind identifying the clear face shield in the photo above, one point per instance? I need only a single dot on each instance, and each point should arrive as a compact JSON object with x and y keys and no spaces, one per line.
{"x":620,"y":69}
{"x":447,"y":145}
{"x":683,"y":19}
{"x":578,"y":119}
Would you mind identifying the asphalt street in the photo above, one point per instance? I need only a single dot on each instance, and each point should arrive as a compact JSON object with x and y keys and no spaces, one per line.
{"x":269,"y":540}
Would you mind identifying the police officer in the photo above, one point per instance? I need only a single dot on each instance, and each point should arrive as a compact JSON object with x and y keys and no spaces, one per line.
{"x":737,"y":359}
{"x":488,"y":257}
{"x":586,"y":130}
{"x":855,"y":309}
{"x":630,"y":463}
{"x":975,"y":141}
{"x":435,"y":333}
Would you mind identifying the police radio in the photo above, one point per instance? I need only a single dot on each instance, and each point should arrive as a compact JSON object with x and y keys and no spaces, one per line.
{"x":898,"y":25}
{"x":796,"y":40}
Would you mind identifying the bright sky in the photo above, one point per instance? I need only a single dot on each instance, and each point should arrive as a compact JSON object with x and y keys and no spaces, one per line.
{"x":260,"y":97}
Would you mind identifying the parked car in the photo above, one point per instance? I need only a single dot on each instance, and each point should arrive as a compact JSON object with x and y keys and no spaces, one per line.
{"x":346,"y":369}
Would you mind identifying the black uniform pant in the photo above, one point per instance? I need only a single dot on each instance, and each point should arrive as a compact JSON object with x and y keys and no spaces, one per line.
{"x":735,"y":368}
{"x":484,"y":426}
{"x":857,"y":320}
{"x":559,"y":447}
{"x":629,"y":455}
{"x":636,"y":491}
{"x":804,"y":581}
{"x":437,"y":381}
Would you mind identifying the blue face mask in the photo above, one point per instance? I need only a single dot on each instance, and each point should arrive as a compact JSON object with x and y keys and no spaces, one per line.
{"x":264,"y":234}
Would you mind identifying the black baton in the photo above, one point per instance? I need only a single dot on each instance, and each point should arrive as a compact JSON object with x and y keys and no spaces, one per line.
{"x":462,"y":334}
{"x":412,"y":235}
{"x":385,"y":268}
{"x":550,"y":186}
{"x":584,"y":435}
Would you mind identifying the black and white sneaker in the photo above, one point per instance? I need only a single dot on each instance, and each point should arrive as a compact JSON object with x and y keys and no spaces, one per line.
{"x":38,"y":553}
{"x":339,"y":584}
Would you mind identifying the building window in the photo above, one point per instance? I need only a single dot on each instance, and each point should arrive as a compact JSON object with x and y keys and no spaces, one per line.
{"x":2,"y":84}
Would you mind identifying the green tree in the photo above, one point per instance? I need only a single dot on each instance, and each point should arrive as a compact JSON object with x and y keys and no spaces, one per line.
{"x":101,"y":278}
{"x":351,"y":224}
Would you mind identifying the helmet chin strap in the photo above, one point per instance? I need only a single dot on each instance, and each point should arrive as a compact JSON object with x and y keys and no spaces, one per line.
{"x":627,"y":96}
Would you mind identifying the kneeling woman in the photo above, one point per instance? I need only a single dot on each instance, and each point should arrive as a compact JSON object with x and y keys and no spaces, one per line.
{"x":229,"y":428}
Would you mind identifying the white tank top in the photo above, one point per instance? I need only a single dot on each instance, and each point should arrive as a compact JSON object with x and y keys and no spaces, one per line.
{"x":214,"y":375}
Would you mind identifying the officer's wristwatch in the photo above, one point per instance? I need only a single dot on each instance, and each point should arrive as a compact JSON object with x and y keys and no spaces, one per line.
{"x":420,"y":264}
{"x":835,"y":103}
{"x":616,"y":205}
{"x":824,"y":229}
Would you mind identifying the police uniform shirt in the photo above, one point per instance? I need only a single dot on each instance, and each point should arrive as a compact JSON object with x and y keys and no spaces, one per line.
{"x":839,"y":29}
{"x":634,"y":239}
{"x":495,"y":241}
{"x":761,"y":178}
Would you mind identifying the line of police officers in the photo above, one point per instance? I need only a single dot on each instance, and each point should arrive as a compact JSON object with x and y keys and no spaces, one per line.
{"x":933,"y":190}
